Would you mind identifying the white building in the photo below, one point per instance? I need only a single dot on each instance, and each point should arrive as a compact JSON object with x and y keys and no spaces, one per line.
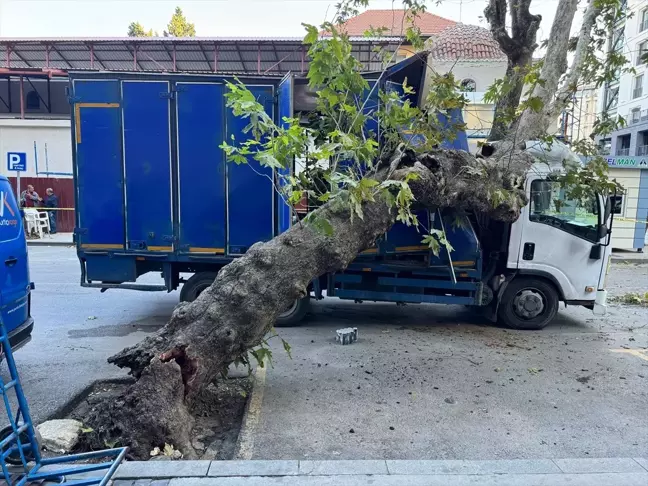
{"x":474,"y":57}
{"x":627,"y":149}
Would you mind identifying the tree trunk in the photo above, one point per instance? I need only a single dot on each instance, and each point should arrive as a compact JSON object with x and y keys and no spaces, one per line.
{"x":233,"y":315}
{"x":534,"y":124}
{"x":518,"y":49}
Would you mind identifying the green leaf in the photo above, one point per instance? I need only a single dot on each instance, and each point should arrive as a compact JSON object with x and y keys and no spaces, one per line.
{"x":286,"y":347}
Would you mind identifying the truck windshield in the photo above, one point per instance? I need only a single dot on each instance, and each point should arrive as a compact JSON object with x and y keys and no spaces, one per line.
{"x":549,"y":205}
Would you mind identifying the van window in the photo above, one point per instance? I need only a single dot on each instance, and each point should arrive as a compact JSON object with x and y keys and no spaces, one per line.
{"x":549,"y":205}
{"x":9,"y":214}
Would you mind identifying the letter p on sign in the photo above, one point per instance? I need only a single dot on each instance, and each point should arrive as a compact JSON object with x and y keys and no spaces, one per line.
{"x":17,"y":161}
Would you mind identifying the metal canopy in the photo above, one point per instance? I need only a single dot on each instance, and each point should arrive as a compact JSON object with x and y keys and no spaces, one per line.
{"x":225,"y":55}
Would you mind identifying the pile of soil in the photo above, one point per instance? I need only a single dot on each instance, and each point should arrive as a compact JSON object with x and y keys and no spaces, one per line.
{"x":218,"y":413}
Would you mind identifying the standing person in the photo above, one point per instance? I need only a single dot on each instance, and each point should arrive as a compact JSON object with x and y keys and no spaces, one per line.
{"x":51,"y":201}
{"x":29,"y":198}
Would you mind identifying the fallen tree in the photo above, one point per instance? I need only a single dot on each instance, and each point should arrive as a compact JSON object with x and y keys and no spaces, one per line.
{"x":365,"y":199}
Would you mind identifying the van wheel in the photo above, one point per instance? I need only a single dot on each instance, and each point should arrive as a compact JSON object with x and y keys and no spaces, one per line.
{"x":14,"y":458}
{"x":294,"y":314}
{"x":528,"y":303}
{"x":195,"y":285}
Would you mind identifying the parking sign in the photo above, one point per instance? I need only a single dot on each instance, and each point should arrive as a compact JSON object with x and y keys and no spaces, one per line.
{"x":17,"y":161}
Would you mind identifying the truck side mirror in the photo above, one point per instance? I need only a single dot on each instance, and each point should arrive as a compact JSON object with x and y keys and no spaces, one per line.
{"x":602,"y":231}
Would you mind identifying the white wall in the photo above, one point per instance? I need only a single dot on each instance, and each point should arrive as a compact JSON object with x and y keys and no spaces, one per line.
{"x":52,"y":142}
{"x":484,"y":73}
{"x":632,"y":40}
{"x":623,"y":231}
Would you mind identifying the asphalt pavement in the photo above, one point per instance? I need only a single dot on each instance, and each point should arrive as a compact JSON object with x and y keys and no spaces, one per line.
{"x":422,"y":382}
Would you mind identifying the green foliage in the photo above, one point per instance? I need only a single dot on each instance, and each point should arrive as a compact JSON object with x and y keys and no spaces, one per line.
{"x":435,"y":239}
{"x":179,"y":26}
{"x":135,"y":29}
{"x":631,"y":298}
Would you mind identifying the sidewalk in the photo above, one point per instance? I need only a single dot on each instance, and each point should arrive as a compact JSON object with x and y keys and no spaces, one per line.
{"x":58,"y":239}
{"x":629,"y":256}
{"x":537,"y":472}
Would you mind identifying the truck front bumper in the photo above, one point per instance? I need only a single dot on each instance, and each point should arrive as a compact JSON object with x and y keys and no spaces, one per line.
{"x":600,"y":303}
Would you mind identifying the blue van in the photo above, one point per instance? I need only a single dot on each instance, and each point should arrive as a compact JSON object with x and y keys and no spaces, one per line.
{"x":15,"y":287}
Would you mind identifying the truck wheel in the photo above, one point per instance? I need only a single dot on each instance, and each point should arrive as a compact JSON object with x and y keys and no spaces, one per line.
{"x":195,"y":285}
{"x":293,"y":315}
{"x":528,"y":303}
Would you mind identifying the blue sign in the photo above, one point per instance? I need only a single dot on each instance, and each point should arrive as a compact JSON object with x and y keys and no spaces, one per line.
{"x":17,"y":161}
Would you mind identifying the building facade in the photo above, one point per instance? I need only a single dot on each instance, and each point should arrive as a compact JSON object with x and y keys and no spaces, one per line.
{"x":475,"y":59}
{"x":627,"y":149}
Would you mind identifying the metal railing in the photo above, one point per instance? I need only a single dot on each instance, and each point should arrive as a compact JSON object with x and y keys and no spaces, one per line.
{"x":623,"y":151}
{"x":642,"y":150}
{"x":637,"y":116}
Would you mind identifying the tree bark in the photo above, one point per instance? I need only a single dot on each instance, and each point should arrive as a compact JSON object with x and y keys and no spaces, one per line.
{"x":519,"y":51}
{"x":233,"y":315}
{"x":534,"y":124}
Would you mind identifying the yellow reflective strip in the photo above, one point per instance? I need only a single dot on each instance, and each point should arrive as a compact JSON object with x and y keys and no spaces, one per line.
{"x":160,"y":248}
{"x":369,"y":251}
{"x":103,"y":246}
{"x":412,"y":248}
{"x":195,"y":249}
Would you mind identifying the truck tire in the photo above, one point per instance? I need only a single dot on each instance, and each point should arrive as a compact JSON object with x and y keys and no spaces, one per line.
{"x":294,"y":314}
{"x":528,"y":303}
{"x":195,"y":285}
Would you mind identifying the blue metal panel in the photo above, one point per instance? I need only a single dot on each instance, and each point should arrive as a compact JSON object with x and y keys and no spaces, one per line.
{"x":201,"y":168}
{"x":250,"y":190}
{"x":429,"y":284}
{"x":284,"y":110}
{"x":639,"y":240}
{"x":110,"y":269}
{"x":99,"y":172}
{"x":460,"y":141}
{"x":394,"y":297}
{"x":147,"y":160}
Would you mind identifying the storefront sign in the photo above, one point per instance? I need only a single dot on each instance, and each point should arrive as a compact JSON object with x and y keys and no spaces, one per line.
{"x":628,"y":162}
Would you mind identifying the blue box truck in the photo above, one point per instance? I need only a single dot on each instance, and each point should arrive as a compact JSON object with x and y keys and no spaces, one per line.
{"x":154,"y":193}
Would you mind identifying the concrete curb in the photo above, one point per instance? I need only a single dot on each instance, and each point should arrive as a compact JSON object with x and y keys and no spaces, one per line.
{"x":49,"y":243}
{"x":526,"y":472}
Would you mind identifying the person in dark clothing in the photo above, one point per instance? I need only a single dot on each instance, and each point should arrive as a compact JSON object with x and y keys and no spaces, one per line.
{"x":51,"y":201}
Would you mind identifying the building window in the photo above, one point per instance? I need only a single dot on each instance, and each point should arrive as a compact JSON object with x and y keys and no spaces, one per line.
{"x":642,"y":53}
{"x":637,"y":87}
{"x":642,"y":143}
{"x":604,"y":146}
{"x":616,"y":204}
{"x":635,"y":115}
{"x":623,"y":145}
{"x":617,"y":40}
{"x":643,"y":19}
{"x":32,"y":101}
{"x":468,"y":85}
{"x":611,"y":98}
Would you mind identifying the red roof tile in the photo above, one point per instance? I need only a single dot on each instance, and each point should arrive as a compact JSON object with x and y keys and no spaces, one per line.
{"x":463,"y":42}
{"x":394,"y":22}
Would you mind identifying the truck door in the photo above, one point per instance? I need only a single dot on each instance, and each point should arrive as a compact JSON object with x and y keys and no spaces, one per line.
{"x":250,"y":188}
{"x":201,"y":168}
{"x":284,"y":110}
{"x":98,"y":163}
{"x":554,"y":237}
{"x":147,"y":165}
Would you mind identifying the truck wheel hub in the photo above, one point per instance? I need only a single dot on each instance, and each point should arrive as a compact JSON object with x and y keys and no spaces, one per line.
{"x":528,"y":304}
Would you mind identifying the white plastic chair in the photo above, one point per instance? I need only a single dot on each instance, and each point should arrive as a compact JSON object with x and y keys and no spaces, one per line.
{"x":32,"y":223}
{"x":44,"y":222}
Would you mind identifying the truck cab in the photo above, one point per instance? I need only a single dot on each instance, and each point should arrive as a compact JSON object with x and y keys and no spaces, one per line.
{"x":558,"y":250}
